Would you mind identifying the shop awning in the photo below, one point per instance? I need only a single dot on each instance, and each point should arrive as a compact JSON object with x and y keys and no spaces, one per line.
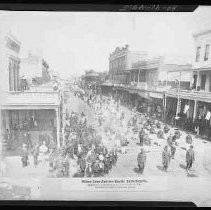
{"x":156,"y":95}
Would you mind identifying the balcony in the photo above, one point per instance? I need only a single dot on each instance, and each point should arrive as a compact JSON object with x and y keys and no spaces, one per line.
{"x":25,"y":99}
{"x":190,"y":94}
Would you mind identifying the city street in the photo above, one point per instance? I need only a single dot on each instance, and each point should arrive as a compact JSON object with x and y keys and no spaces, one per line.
{"x":127,"y":163}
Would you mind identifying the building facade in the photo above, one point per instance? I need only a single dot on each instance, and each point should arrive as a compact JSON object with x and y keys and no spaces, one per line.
{"x":193,"y":103}
{"x":25,"y":113}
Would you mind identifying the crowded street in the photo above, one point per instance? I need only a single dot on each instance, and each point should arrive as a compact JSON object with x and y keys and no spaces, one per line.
{"x":127,"y":163}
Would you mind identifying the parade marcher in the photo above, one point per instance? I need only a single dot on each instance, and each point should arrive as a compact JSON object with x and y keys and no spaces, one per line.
{"x":91,"y":157}
{"x":141,"y":136}
{"x":96,"y":168}
{"x":105,"y":151}
{"x":82,"y":164}
{"x":66,"y":166}
{"x":173,"y":149}
{"x":166,"y":129}
{"x":160,"y":134}
{"x":106,"y":164}
{"x":51,"y":159}
{"x":141,"y":159}
{"x":190,"y":158}
{"x":169,"y":139}
{"x":7,"y":138}
{"x":101,"y":157}
{"x":158,"y":125}
{"x":35,"y":154}
{"x":29,"y":141}
{"x":43,"y":151}
{"x":177,"y":134}
{"x":24,"y":156}
{"x":166,"y":158}
{"x":152,"y":129}
{"x":189,"y":139}
{"x":88,"y":170}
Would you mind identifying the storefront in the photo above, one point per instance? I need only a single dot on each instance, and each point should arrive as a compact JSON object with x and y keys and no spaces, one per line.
{"x":20,"y":126}
{"x":106,"y":89}
{"x":133,"y":98}
{"x":204,"y":119}
{"x":143,"y":102}
{"x":125,"y":97}
{"x":171,"y":109}
{"x":186,"y":115}
{"x":156,"y":104}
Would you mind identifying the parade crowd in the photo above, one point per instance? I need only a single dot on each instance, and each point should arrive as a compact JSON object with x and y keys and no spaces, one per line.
{"x":95,"y":148}
{"x":141,"y":125}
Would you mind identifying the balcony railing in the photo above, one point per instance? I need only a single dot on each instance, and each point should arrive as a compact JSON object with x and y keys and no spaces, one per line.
{"x":31,"y":98}
{"x":194,"y":95}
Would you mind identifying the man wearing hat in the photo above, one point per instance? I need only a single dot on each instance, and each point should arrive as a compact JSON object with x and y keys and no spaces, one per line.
{"x":190,"y":158}
{"x":141,"y":159}
{"x":141,"y":136}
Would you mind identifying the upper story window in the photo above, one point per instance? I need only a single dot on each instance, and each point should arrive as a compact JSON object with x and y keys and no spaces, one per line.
{"x":207,"y":49}
{"x":198,"y":54}
{"x":203,"y":81}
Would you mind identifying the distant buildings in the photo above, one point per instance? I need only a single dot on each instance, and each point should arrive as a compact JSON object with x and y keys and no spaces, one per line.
{"x":35,"y":69}
{"x":122,"y":60}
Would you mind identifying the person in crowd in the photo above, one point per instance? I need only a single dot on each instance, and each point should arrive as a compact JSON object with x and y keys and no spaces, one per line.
{"x":89,"y":171}
{"x":43,"y":152}
{"x":169,"y":139}
{"x":166,"y":158}
{"x":141,"y":136}
{"x":106,"y":164}
{"x":82,"y":163}
{"x":190,"y":158}
{"x":160,"y":134}
{"x":101,"y":157}
{"x":24,"y":156}
{"x":177,"y":134}
{"x":158,"y":124}
{"x":166,"y":129}
{"x":66,"y":166}
{"x":96,"y":168}
{"x":189,"y":139}
{"x":173,"y":149}
{"x":141,"y":159}
{"x":35,"y":154}
{"x":7,"y":137}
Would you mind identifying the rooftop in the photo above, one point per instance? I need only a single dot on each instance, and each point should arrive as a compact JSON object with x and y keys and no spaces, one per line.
{"x":203,"y":32}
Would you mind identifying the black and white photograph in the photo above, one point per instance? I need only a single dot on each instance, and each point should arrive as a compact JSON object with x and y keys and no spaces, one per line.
{"x":105,"y":105}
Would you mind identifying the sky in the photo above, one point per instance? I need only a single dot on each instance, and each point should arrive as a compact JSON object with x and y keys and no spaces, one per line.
{"x":72,"y":42}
